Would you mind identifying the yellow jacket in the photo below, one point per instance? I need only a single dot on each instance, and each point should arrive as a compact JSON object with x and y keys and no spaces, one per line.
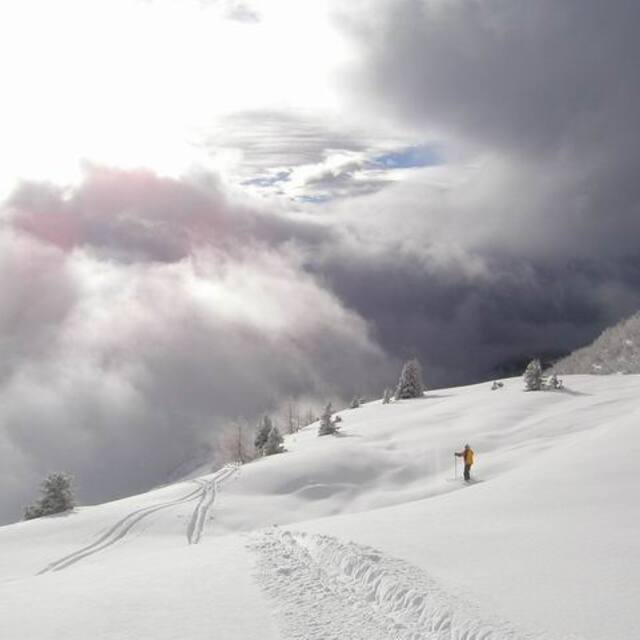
{"x":467,"y":454}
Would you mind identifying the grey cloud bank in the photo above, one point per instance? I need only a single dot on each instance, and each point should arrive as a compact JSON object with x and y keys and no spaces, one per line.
{"x":139,"y":315}
{"x":529,"y":243}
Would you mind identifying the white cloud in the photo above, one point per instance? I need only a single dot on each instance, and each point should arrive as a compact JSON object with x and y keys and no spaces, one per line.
{"x":131,"y":83}
{"x":122,"y":351}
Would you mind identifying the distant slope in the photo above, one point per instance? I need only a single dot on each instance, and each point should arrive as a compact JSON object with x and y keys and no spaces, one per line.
{"x":617,"y":350}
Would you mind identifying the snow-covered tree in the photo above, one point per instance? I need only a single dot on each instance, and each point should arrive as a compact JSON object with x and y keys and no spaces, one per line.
{"x":274,"y":443}
{"x":554,"y":382}
{"x":387,"y":395}
{"x":328,"y":424}
{"x":355,"y":403}
{"x":533,"y":376}
{"x":410,"y":384}
{"x":57,"y":497}
{"x":262,"y":435}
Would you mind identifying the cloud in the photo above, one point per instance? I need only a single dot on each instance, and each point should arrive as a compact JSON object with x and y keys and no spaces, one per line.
{"x":270,"y":138}
{"x":345,"y":174}
{"x":524,"y":242}
{"x":531,"y":78}
{"x":543,"y":98}
{"x":242,"y":12}
{"x":142,"y":313}
{"x":444,"y":268}
{"x":308,"y":158}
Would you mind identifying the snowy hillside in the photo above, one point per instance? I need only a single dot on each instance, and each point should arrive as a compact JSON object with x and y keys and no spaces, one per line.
{"x":375,"y":538}
{"x":616,"y":350}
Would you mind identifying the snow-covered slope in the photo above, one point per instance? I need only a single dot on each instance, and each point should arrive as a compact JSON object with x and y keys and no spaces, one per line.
{"x":616,"y":350}
{"x":374,"y":537}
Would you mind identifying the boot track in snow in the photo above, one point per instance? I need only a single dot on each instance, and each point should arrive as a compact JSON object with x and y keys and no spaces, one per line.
{"x":325,"y":589}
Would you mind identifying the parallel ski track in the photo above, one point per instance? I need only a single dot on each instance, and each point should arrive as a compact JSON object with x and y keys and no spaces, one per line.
{"x":123,"y":527}
{"x":325,"y":589}
{"x":198,"y":521}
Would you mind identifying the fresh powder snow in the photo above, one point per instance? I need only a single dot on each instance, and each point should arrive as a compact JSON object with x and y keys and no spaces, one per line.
{"x":364,"y":535}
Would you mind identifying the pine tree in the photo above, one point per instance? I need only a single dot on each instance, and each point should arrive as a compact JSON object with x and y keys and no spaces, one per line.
{"x":410,"y":384}
{"x":57,"y":497}
{"x":533,"y":376}
{"x":262,"y":435}
{"x":274,"y":443}
{"x":328,"y":425}
{"x":386,"y":396}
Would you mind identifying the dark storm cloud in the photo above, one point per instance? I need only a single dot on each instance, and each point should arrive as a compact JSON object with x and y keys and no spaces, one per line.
{"x":550,"y":88}
{"x":139,"y":314}
{"x":533,"y":77}
{"x":467,"y":324}
{"x":528,"y":243}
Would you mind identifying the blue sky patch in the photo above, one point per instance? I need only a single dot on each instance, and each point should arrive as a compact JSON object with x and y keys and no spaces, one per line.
{"x":317,"y":199}
{"x":410,"y":157}
{"x":268,"y":181}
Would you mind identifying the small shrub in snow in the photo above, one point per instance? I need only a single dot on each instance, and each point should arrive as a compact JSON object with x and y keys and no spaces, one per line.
{"x":410,"y":384}
{"x":262,"y":435}
{"x":355,"y":403}
{"x":234,"y":444}
{"x":57,"y":497}
{"x":309,"y":417}
{"x":274,"y":443}
{"x":387,"y":395}
{"x":293,"y":420}
{"x":533,"y":376}
{"x":554,"y":382}
{"x":496,"y":385}
{"x":329,"y":425}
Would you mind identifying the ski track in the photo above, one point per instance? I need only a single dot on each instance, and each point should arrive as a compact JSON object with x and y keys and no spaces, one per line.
{"x":124,"y":526}
{"x":195,"y":529}
{"x":325,"y":589}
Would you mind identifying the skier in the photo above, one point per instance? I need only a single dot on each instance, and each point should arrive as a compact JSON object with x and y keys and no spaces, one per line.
{"x":467,"y":454}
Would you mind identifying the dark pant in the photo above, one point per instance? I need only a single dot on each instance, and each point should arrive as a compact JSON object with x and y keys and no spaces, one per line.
{"x":467,"y":472}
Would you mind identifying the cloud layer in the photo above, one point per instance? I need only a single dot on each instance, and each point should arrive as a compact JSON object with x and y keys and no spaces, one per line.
{"x":526,"y":242}
{"x":140,"y":314}
{"x":544,"y":97}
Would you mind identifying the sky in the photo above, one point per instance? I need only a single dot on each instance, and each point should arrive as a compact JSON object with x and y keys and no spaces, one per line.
{"x":211,"y":208}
